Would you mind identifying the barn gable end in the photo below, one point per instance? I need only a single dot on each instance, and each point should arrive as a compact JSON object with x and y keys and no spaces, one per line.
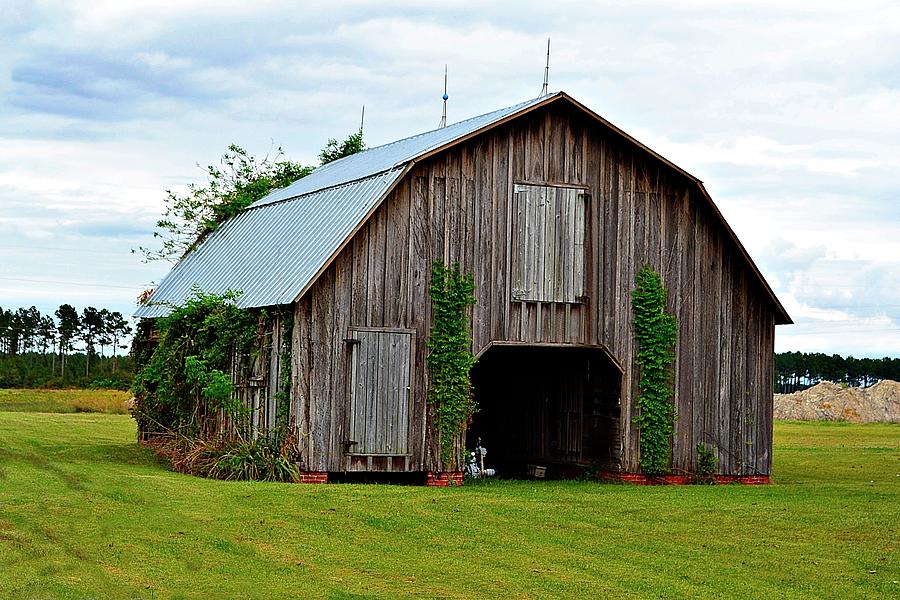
{"x":460,"y":204}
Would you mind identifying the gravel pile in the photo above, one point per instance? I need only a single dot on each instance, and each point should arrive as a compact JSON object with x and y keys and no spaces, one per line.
{"x":827,"y":401}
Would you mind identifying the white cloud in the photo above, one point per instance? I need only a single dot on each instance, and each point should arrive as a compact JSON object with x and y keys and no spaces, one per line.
{"x":786,"y":110}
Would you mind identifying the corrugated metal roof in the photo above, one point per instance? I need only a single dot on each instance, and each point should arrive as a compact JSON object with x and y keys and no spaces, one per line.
{"x":271,"y":253}
{"x":389,"y":156}
{"x":274,"y":249}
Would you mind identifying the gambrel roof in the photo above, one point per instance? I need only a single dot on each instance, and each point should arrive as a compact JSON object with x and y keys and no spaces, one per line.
{"x":276,"y":249}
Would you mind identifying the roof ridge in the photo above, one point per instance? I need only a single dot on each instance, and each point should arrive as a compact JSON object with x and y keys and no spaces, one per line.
{"x":430,"y":131}
{"x":397,"y":153}
{"x":318,"y":190}
{"x":391,"y":161}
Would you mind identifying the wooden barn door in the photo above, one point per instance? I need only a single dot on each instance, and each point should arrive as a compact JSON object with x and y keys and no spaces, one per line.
{"x":549,"y":223}
{"x":378,"y":429}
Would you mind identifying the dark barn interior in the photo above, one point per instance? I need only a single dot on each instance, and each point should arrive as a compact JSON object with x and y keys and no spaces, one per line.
{"x":556,"y":407}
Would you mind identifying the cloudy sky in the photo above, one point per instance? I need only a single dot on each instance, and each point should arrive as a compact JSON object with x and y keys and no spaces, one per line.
{"x":789,"y":112}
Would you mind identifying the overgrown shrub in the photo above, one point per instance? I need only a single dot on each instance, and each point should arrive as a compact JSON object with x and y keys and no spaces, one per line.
{"x":656,"y":332}
{"x":707,"y":462}
{"x":184,"y":380}
{"x":187,"y":376}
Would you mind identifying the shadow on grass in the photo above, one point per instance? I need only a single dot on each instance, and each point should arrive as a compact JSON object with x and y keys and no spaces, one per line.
{"x":110,"y":454}
{"x":42,"y":463}
{"x":123,"y":454}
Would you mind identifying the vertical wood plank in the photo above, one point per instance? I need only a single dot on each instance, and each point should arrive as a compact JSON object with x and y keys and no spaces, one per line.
{"x":321,"y":394}
{"x":438,"y":215}
{"x":726,"y":372}
{"x":551,"y":244}
{"x":578,"y":275}
{"x":556,"y":167}
{"x":360,"y":289}
{"x":738,"y":369}
{"x":499,"y":200}
{"x":682,"y":262}
{"x":419,"y":307}
{"x":343,"y":293}
{"x":624,"y":332}
{"x":753,"y":345}
{"x":595,"y":227}
{"x":301,"y":375}
{"x":397,"y":255}
{"x":535,"y":157}
{"x":359,"y":384}
{"x":452,"y":209}
{"x":376,"y":269}
{"x":484,"y":275}
{"x":469,"y":239}
{"x":768,"y":361}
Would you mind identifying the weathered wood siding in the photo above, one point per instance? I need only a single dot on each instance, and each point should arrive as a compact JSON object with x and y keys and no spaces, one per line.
{"x":460,"y":204}
{"x":260,"y":381}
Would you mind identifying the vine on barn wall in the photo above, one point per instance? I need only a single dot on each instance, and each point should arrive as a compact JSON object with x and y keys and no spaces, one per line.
{"x":283,"y":395}
{"x":450,"y":359}
{"x":187,"y":376}
{"x":656,"y":332}
{"x":186,"y":379}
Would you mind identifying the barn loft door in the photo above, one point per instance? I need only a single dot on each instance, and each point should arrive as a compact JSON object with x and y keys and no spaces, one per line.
{"x":379,"y":399}
{"x":548,"y":263}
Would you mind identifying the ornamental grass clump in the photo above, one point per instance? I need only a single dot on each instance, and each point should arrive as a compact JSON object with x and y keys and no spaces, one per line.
{"x":231,"y":458}
{"x":656,"y":332}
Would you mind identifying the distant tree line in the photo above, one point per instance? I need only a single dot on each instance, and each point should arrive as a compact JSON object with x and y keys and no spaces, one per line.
{"x":66,"y":348}
{"x":800,"y":370}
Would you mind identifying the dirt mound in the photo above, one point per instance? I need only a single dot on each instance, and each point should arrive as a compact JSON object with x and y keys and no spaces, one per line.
{"x":827,"y":401}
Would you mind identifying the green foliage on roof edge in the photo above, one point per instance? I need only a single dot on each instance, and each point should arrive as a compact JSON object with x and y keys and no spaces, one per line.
{"x":239,"y":180}
{"x":656,"y":333}
{"x":450,"y":359}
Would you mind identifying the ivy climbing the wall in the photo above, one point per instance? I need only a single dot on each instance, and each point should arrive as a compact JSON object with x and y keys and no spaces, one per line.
{"x":283,"y":396}
{"x":656,"y":332}
{"x":185,"y":384}
{"x":450,"y":359}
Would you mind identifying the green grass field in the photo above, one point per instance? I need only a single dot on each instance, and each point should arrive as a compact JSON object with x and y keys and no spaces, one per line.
{"x":86,"y":513}
{"x":65,"y":401}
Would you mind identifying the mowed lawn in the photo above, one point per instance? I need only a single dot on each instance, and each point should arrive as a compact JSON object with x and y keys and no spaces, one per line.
{"x":86,"y":513}
{"x":66,"y":401}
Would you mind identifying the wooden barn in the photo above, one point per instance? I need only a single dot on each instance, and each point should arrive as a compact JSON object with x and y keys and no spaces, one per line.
{"x":554,"y":210}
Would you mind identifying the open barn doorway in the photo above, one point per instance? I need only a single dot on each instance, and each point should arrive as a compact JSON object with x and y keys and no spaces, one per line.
{"x":552,"y":407}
